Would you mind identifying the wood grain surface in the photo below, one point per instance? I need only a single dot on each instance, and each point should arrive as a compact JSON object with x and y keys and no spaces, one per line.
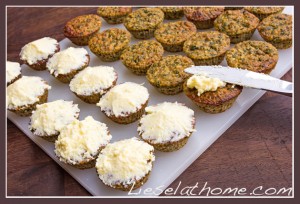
{"x":255,"y":151}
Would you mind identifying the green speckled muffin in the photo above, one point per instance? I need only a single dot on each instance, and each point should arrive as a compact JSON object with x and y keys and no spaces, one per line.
{"x":173,"y":35}
{"x":143,"y":22}
{"x":277,"y":29}
{"x":173,"y":12}
{"x":80,"y":29}
{"x":207,"y":48}
{"x":114,"y":15}
{"x":168,"y":74}
{"x":109,"y":44}
{"x":263,"y":12}
{"x":139,"y":57}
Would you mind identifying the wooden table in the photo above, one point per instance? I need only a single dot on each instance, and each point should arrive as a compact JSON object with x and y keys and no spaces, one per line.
{"x":256,"y":150}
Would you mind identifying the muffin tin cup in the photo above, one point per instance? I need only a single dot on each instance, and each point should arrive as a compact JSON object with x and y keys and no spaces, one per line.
{"x":171,"y":90}
{"x":143,"y":34}
{"x":241,"y":37}
{"x":172,"y":48}
{"x":203,"y":24}
{"x":212,"y":61}
{"x":282,"y":44}
{"x":216,"y":108}
{"x":141,"y":71}
{"x":82,"y":41}
{"x":173,"y":15}
{"x":110,"y":57}
{"x":114,"y":20}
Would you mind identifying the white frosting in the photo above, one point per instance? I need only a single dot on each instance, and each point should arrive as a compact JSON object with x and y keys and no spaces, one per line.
{"x":38,"y":50}
{"x":93,"y":80}
{"x":203,"y":83}
{"x":125,"y":161}
{"x":166,"y":122}
{"x":25,"y":91}
{"x":13,"y":70}
{"x":49,"y":118}
{"x":124,"y":99}
{"x":67,"y":60}
{"x":81,"y":140}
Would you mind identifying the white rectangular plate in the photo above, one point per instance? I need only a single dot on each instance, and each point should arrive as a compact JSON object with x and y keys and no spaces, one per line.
{"x":167,"y":166}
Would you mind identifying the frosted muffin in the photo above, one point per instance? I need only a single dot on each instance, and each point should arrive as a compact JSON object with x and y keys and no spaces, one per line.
{"x":125,"y":164}
{"x":13,"y":72}
{"x":65,"y":64}
{"x":91,"y":83}
{"x":25,"y":94}
{"x":80,"y":142}
{"x":167,"y":126}
{"x":263,"y":12}
{"x":125,"y":103}
{"x":37,"y":53}
{"x":114,"y":15}
{"x":172,"y":12}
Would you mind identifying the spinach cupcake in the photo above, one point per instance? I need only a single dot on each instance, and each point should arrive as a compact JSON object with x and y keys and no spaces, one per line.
{"x":114,"y":15}
{"x":263,"y":12}
{"x":172,"y":12}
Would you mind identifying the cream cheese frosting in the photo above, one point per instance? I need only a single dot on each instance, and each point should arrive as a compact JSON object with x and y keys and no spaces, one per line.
{"x":13,"y":70}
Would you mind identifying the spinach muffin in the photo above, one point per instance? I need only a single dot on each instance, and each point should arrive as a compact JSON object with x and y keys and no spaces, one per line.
{"x":173,"y":12}
{"x":168,"y":75}
{"x":203,"y":17}
{"x":239,"y":25}
{"x":142,"y":22}
{"x":140,"y":56}
{"x":81,"y":28}
{"x":114,"y":15}
{"x":13,"y":72}
{"x":257,"y":56}
{"x":172,"y":35}
{"x":207,"y":48}
{"x":109,"y":44}
{"x":277,"y":29}
{"x":263,"y":12}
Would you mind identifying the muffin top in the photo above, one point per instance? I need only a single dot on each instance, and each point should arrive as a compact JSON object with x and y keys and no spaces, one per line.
{"x":109,"y":41}
{"x":82,"y":25}
{"x":256,"y":56}
{"x":166,"y":122}
{"x":80,"y":141}
{"x":13,"y":70}
{"x":169,"y":71}
{"x":142,"y":54}
{"x":235,"y":22}
{"x":93,"y":80}
{"x":277,"y":27}
{"x":110,"y":11}
{"x":123,"y":99}
{"x":175,"y":32}
{"x":202,"y":13}
{"x":125,"y":162}
{"x":67,"y":60}
{"x":205,"y":45}
{"x":264,"y":10}
{"x":25,"y":91}
{"x":49,"y":118}
{"x":144,"y":19}
{"x":38,"y":50}
{"x":171,"y":9}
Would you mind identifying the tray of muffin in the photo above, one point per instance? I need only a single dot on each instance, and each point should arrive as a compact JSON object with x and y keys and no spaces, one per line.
{"x":111,"y":103}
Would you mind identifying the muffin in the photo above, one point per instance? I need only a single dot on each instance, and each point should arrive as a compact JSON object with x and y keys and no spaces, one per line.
{"x":25,"y":94}
{"x":80,"y":142}
{"x":172,"y":35}
{"x":65,"y":64}
{"x":37,"y":53}
{"x":173,"y":12}
{"x":125,"y":164}
{"x":211,"y":94}
{"x":167,"y":126}
{"x":203,"y":17}
{"x":49,"y":118}
{"x":114,"y":15}
{"x":168,"y":74}
{"x":233,"y":8}
{"x":142,"y":22}
{"x":91,"y":83}
{"x":13,"y":72}
{"x":239,"y":25}
{"x":277,"y":29}
{"x":140,"y":56}
{"x":207,"y":48}
{"x":125,"y":103}
{"x":81,"y":28}
{"x":257,"y":56}
{"x":263,"y":12}
{"x":109,"y":44}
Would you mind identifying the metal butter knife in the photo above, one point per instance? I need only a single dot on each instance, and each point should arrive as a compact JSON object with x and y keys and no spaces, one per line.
{"x":244,"y":78}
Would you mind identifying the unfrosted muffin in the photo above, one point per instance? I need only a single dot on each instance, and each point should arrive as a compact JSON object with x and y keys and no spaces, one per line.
{"x":25,"y":94}
{"x":13,"y":72}
{"x":264,"y":11}
{"x":172,"y":35}
{"x":49,"y":118}
{"x":172,"y":12}
{"x":81,"y":28}
{"x":37,"y":53}
{"x":65,"y":64}
{"x":80,"y":142}
{"x":257,"y":56}
{"x":114,"y":15}
{"x":125,"y":164}
{"x":167,"y":126}
{"x":125,"y":103}
{"x":91,"y":83}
